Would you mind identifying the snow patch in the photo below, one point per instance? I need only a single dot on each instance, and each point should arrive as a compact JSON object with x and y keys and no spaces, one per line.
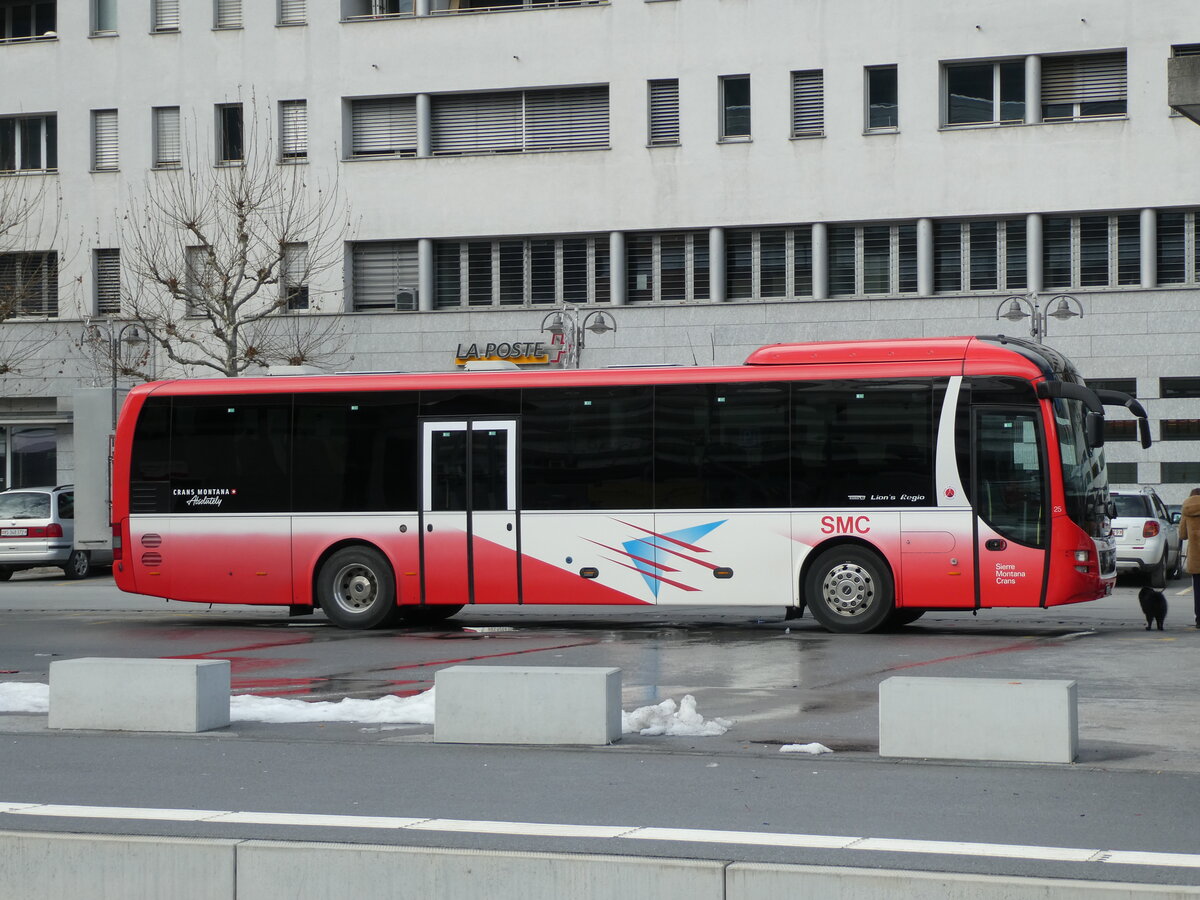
{"x":18,"y":697}
{"x":666,"y":718}
{"x":813,"y":748}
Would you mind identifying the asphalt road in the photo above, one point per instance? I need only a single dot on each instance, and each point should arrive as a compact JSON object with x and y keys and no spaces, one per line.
{"x":1135,"y":787}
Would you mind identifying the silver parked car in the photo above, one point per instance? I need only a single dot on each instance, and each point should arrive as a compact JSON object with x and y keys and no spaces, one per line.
{"x":1147,"y":540}
{"x":37,"y":528}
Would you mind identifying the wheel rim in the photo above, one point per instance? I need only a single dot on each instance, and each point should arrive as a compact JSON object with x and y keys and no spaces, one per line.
{"x":848,"y":589}
{"x":355,"y":588}
{"x":79,"y":564}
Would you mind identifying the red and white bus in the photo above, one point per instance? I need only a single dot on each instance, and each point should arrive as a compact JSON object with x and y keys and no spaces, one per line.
{"x":867,"y":481}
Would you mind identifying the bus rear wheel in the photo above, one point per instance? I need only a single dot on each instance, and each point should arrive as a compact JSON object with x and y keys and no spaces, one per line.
{"x":849,"y":590}
{"x":356,"y":588}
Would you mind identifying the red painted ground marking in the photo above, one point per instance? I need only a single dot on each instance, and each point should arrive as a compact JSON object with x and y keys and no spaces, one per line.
{"x":930,"y":662}
{"x":450,"y":662}
{"x":266,"y":645}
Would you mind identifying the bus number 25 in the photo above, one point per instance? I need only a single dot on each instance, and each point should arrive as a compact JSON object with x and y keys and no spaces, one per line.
{"x":845,"y":524}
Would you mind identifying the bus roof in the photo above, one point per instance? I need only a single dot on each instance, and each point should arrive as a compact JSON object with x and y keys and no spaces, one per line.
{"x":903,"y":357}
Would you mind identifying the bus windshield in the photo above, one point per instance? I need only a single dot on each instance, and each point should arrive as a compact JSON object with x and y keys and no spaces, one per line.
{"x":1085,"y":480}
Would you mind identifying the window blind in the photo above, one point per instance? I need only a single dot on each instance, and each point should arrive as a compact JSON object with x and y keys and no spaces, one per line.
{"x":108,"y":282}
{"x":292,"y":12}
{"x":229,"y":13}
{"x":166,"y":136}
{"x":567,"y":119}
{"x":104,"y":140}
{"x":477,"y":123}
{"x":1083,"y":79}
{"x":664,"y":112}
{"x":293,"y":129}
{"x":166,"y":15}
{"x":808,"y":103}
{"x":384,"y":127}
{"x":385,"y":275}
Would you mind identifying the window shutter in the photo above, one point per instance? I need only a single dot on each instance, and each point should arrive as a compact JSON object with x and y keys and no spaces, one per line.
{"x":477,"y":123}
{"x":385,"y":274}
{"x":166,"y":136}
{"x":293,"y":129}
{"x":808,"y":103}
{"x":664,"y":112}
{"x":569,"y":119}
{"x":293,"y":282}
{"x":104,"y":138}
{"x":385,"y":127}
{"x":108,"y":282}
{"x":292,"y":12}
{"x":166,"y":15}
{"x":229,"y":13}
{"x":1083,"y":79}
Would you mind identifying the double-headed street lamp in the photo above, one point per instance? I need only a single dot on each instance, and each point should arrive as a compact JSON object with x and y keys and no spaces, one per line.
{"x":116,"y":341}
{"x":1061,"y":307}
{"x":568,"y":329}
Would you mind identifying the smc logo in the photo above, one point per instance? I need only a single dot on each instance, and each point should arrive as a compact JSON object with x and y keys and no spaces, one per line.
{"x":845,"y":524}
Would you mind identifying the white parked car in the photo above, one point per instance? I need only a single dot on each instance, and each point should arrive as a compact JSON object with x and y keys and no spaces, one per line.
{"x":1147,"y":539}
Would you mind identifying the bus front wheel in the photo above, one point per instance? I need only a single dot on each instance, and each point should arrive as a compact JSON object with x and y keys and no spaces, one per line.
{"x":356,"y":588}
{"x":428,"y":615}
{"x":849,"y":589}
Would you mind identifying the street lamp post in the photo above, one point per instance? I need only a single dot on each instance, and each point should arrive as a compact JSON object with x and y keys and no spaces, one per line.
{"x":1061,"y":307}
{"x":567,"y":328}
{"x":115,"y":343}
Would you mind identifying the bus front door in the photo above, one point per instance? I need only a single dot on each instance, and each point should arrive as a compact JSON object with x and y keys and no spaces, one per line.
{"x":470,"y":535}
{"x":1012,"y":528}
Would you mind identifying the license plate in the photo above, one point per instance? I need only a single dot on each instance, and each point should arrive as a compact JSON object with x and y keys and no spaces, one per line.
{"x":13,"y":532}
{"x":1118,"y":532}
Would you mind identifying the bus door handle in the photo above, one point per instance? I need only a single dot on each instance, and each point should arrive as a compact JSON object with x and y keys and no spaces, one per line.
{"x":996,"y":544}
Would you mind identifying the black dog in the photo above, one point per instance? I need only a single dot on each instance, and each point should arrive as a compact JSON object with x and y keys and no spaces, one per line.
{"x":1154,"y":606}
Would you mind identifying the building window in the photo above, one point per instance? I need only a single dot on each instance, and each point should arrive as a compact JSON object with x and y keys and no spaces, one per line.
{"x":202,"y":282}
{"x":1180,"y":473}
{"x":107,"y":269}
{"x":1178,"y":50}
{"x":1091,"y":251}
{"x":165,"y":15}
{"x":461,"y":6}
{"x":520,"y":121}
{"x":1124,"y":385}
{"x":522,"y":271}
{"x":735,"y":107}
{"x":1120,"y":430}
{"x":985,"y":93}
{"x":293,"y":130}
{"x":883,"y":99}
{"x":292,"y":12}
{"x":376,"y":9}
{"x":104,"y":140}
{"x":1179,"y":430}
{"x":768,"y":263}
{"x":1178,"y":248}
{"x":979,"y":256}
{"x":383,"y":127}
{"x":28,"y":143}
{"x":808,"y":104}
{"x":166,"y":137}
{"x":1122,"y":473}
{"x":227,"y":14}
{"x":384,"y":275}
{"x":229,"y":133}
{"x":1178,"y":387}
{"x":23,"y":20}
{"x":28,"y":284}
{"x":294,"y":280}
{"x":104,"y":17}
{"x":1083,"y":87}
{"x":866,"y":260}
{"x":664,"y":112}
{"x":667,"y":268}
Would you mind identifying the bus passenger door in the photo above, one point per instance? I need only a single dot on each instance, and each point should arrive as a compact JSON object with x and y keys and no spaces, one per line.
{"x":1012,"y":525}
{"x":469,"y":524}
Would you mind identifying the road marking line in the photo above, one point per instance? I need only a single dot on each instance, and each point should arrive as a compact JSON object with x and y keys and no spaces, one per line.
{"x":646,"y":833}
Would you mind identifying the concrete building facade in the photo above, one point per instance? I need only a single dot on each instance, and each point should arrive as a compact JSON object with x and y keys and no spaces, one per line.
{"x":714,"y":174}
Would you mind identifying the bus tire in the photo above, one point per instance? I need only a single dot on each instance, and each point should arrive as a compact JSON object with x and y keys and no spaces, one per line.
{"x":429,"y":615}
{"x":898,"y":618}
{"x":849,"y":590}
{"x":356,"y":588}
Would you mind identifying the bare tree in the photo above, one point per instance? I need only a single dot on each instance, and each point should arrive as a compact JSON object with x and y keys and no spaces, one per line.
{"x":31,"y":227}
{"x":221,"y":262}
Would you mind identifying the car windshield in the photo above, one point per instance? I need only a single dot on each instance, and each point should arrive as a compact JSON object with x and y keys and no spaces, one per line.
{"x":25,"y":505}
{"x":1132,"y":506}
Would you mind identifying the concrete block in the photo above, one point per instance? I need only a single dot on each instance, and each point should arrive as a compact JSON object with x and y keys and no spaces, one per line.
{"x":755,"y":881}
{"x":277,"y":870}
{"x":139,"y":694}
{"x":528,"y":705}
{"x":39,"y":866}
{"x":1009,"y":720}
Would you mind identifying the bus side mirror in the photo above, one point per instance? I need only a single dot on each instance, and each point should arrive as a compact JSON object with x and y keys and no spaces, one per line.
{"x":1094,"y":427}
